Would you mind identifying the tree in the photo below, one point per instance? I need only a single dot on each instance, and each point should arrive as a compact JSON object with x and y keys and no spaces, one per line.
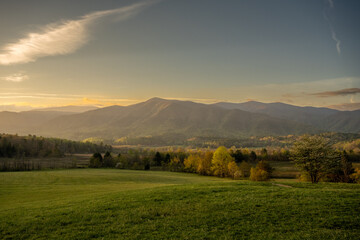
{"x":252,"y":156}
{"x":220,"y":162}
{"x":264,"y":165}
{"x":191,"y":163}
{"x":238,"y":156}
{"x":264,"y":153}
{"x":175,"y":165}
{"x":96,"y":160}
{"x":204,"y":166}
{"x":244,"y":169}
{"x":157,"y":159}
{"x":342,"y":171}
{"x":314,"y":156}
{"x":167,"y":158}
{"x":232,"y":169}
{"x":257,"y":174}
{"x":108,"y":160}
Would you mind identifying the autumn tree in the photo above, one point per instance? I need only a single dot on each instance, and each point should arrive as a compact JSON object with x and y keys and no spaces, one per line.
{"x":244,"y":169}
{"x":204,"y":166}
{"x":220,"y":162}
{"x":232,"y":169}
{"x":191,"y":163}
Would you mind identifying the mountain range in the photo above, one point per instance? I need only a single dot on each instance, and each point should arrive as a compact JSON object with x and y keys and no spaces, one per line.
{"x":184,"y":119}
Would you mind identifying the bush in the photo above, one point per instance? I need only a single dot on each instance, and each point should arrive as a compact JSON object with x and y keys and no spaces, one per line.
{"x":356,"y":176}
{"x":257,"y":174}
{"x":237,"y":175}
{"x":244,"y":169}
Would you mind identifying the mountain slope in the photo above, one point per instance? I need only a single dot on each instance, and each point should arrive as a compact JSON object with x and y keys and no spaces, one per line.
{"x":306,"y":115}
{"x":347,"y":121}
{"x":27,"y":122}
{"x":322,"y":118}
{"x":158,"y":116}
{"x":69,"y":108}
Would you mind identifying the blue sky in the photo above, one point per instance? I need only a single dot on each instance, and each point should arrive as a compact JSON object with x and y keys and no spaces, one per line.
{"x":121,"y":52}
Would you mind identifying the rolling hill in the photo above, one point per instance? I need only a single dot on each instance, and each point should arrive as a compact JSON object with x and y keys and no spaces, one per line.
{"x":325,"y":119}
{"x":183,"y":119}
{"x":159,"y":116}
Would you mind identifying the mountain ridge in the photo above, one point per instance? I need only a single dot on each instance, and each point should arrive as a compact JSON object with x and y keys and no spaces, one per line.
{"x":156,"y":117}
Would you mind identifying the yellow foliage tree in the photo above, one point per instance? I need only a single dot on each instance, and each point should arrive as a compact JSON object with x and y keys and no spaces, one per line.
{"x":244,"y":169}
{"x":204,"y":166}
{"x":232,"y":169}
{"x":257,"y":174}
{"x":220,"y":161}
{"x":356,"y":176}
{"x":191,"y":163}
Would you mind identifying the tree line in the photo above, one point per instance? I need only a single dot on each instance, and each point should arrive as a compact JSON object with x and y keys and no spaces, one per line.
{"x":23,"y":153}
{"x":313,"y":155}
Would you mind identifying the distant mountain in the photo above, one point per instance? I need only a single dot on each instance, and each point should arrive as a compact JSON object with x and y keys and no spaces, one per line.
{"x":158,"y":117}
{"x":306,"y":115}
{"x":322,"y":118}
{"x":69,"y":108}
{"x":347,"y":121}
{"x":181,"y":120}
{"x":27,"y":122}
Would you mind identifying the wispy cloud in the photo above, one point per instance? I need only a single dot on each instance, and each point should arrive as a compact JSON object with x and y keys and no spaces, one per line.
{"x":346,"y":106}
{"x":338,"y":42}
{"x":63,"y":37}
{"x":333,"y":33}
{"x":342,"y":92}
{"x":16,"y":77}
{"x":331,"y":3}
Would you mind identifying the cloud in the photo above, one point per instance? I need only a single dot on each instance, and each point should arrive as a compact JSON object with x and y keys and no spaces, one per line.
{"x":16,"y":77}
{"x":342,"y":92}
{"x":338,"y":42}
{"x":333,"y":33}
{"x":331,"y":3}
{"x":62,"y":38}
{"x":346,"y":106}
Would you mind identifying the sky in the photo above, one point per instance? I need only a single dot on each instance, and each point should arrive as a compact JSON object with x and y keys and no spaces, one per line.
{"x":106,"y":52}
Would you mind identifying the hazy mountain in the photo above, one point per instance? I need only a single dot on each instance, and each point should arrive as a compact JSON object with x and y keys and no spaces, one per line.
{"x":69,"y":108}
{"x":347,"y":121}
{"x":158,"y":116}
{"x":27,"y":122}
{"x":306,"y":115}
{"x":322,"y":118}
{"x":183,"y":119}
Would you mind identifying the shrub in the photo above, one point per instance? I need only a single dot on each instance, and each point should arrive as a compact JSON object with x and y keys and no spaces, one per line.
{"x":237,"y":175}
{"x":244,"y":169}
{"x":356,"y":176}
{"x":257,"y":174}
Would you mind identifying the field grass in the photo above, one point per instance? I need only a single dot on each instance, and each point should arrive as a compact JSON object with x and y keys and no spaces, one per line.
{"x":284,"y":169}
{"x":125,"y":204}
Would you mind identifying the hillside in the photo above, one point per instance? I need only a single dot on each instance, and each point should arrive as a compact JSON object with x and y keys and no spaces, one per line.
{"x":180,"y":120}
{"x":158,"y":117}
{"x":322,"y":118}
{"x":27,"y":122}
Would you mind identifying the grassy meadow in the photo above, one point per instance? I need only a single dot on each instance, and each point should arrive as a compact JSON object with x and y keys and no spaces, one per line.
{"x":126,"y":204}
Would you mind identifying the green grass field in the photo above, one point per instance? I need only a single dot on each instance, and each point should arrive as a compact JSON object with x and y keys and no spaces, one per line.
{"x":125,"y":204}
